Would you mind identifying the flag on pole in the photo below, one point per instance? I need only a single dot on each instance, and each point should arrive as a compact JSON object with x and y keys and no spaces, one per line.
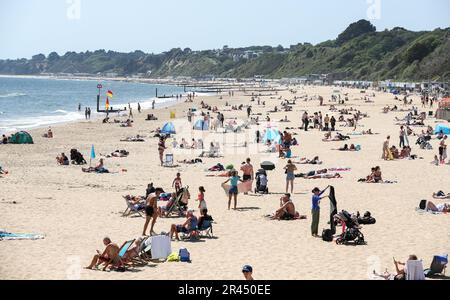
{"x":107,"y":103}
{"x":109,"y":94}
{"x":92,"y":152}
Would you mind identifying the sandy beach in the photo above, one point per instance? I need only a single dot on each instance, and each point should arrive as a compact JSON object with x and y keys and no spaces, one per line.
{"x":76,"y":210}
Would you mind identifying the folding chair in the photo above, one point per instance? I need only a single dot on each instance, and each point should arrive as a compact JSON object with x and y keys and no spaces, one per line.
{"x":169,"y":160}
{"x":206,"y":230}
{"x":132,"y":210}
{"x":438,"y":266}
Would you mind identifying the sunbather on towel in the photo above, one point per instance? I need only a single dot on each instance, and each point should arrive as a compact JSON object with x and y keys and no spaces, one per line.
{"x":186,"y":227}
{"x":287,"y":209}
{"x":442,"y":207}
{"x":98,"y":169}
{"x":315,"y":161}
{"x":320,"y":174}
{"x":109,"y":256}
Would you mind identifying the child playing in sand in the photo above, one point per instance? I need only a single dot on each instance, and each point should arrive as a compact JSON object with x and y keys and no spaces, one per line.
{"x":177,"y":183}
{"x":201,"y":199}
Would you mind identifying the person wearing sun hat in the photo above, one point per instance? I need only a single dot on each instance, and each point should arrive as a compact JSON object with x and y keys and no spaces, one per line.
{"x":247,"y":271}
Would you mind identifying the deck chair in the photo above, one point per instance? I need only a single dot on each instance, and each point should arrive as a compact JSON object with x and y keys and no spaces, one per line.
{"x":146,"y":248}
{"x":437,"y":266}
{"x":169,"y":160}
{"x":206,"y":230}
{"x":131,"y":210}
{"x":122,"y":264}
{"x":179,"y":206}
{"x":414,"y":270}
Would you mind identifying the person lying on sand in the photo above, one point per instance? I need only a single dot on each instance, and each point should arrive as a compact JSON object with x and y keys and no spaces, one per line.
{"x":189,"y":225}
{"x":133,"y":139}
{"x":3,"y":171}
{"x":314,"y":161}
{"x":110,"y":255}
{"x":442,"y":207}
{"x":319,"y":174}
{"x":441,"y":195}
{"x":287,"y":209}
{"x":190,"y":161}
{"x":400,"y":272}
{"x":346,"y":148}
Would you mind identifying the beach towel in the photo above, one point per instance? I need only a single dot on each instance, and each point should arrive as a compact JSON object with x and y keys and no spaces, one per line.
{"x":414,"y":270}
{"x":19,"y":236}
{"x":339,"y":169}
{"x":333,"y":208}
{"x":161,"y":247}
{"x":243,"y":187}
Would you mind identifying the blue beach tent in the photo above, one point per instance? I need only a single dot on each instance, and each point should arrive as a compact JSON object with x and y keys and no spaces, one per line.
{"x":445,"y":129}
{"x":201,"y":125}
{"x":168,"y":128}
{"x":272,"y":135}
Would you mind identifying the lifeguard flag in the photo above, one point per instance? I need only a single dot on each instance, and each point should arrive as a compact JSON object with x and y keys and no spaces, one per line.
{"x":107,"y":103}
{"x":109,"y":94}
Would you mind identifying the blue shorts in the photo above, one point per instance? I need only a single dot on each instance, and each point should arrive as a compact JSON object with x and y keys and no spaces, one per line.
{"x":233,"y":190}
{"x":290,"y":176}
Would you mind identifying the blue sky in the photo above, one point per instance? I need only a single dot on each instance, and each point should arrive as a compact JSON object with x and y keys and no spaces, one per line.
{"x":28,"y":27}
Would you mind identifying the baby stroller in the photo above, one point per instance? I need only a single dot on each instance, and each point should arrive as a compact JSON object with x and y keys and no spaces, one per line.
{"x":352,"y":234}
{"x":424,"y":143}
{"x":261,"y":182}
{"x":76,"y":157}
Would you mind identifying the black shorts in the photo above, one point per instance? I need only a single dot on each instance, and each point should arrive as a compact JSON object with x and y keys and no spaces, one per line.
{"x":149,"y":211}
{"x":247,"y":177}
{"x":441,"y":151}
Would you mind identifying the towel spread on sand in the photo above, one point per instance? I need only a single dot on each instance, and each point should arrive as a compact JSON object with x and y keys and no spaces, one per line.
{"x":18,"y":236}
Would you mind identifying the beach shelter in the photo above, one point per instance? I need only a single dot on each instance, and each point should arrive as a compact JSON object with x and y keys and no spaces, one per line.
{"x":445,"y":129}
{"x":201,"y":125}
{"x":21,"y":137}
{"x":272,"y":135}
{"x":168,"y":128}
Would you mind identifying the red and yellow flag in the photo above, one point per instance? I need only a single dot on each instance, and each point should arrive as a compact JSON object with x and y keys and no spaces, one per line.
{"x":109,"y":94}
{"x":107,"y":103}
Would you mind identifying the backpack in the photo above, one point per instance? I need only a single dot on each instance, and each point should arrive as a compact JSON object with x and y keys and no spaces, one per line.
{"x":185,"y":255}
{"x":327,"y":235}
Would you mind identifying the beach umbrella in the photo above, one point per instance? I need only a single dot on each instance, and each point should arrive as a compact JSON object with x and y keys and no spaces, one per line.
{"x":92,"y":155}
{"x":272,"y":135}
{"x":268,"y":166}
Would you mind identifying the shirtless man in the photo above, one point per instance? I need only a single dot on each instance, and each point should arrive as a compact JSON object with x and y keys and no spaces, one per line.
{"x":248,"y":173}
{"x":108,"y":257}
{"x":287,"y":209}
{"x":151,"y":210}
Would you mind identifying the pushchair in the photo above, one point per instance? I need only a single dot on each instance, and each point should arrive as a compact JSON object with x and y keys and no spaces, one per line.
{"x":351,"y":233}
{"x":76,"y":157}
{"x":424,"y":143}
{"x":261,"y":182}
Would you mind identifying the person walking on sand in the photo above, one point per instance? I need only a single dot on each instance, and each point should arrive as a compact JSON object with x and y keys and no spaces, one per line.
{"x":161,"y":149}
{"x":443,"y":150}
{"x":315,"y":211}
{"x":385,"y":154}
{"x":247,"y":170}
{"x":131,"y":113}
{"x":402,"y":137}
{"x":79,"y":106}
{"x":151,"y":210}
{"x":153,"y":104}
{"x":86,"y":113}
{"x":290,"y":176}
{"x":139,"y":107}
{"x":89,"y":113}
{"x":234,"y":191}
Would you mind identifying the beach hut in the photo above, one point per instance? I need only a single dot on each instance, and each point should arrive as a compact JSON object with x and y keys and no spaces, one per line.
{"x":21,"y":137}
{"x":201,"y":125}
{"x":168,"y":128}
{"x":445,"y":129}
{"x":272,"y":135}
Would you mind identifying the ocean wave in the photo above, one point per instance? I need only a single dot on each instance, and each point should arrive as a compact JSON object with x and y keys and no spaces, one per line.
{"x":11,"y":95}
{"x":60,"y":111}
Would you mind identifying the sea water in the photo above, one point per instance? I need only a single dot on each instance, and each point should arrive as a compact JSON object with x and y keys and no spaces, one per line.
{"x":27,"y":103}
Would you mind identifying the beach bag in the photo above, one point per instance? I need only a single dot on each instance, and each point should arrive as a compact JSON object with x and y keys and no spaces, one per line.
{"x":184,"y":255}
{"x":174,"y":257}
{"x":423,"y":204}
{"x":327,"y":235}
